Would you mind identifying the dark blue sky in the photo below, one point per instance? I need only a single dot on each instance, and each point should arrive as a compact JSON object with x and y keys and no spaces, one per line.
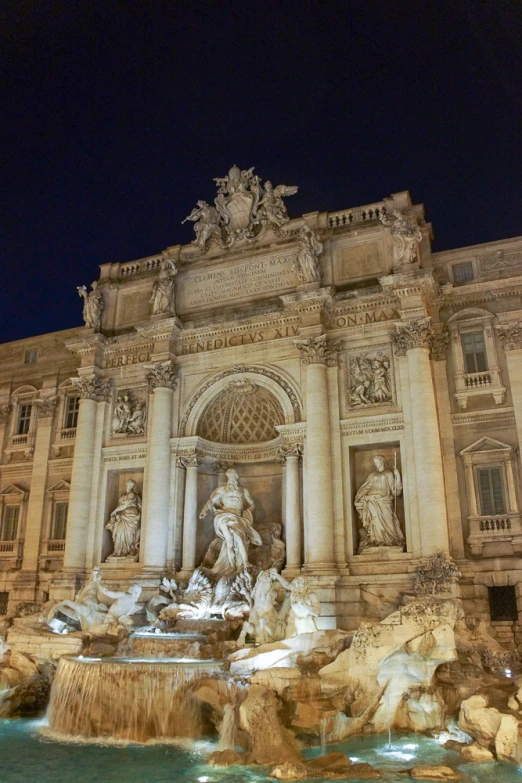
{"x":117,"y":115}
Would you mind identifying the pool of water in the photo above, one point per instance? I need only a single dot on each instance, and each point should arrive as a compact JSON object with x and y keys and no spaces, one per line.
{"x":27,"y":756}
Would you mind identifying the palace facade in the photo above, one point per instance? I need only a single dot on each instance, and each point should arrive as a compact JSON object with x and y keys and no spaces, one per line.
{"x":295,"y":351}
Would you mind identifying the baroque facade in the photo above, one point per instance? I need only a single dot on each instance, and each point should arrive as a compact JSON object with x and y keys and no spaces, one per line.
{"x":367,"y":392}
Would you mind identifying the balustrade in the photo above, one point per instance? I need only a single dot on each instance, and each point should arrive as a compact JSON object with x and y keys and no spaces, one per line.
{"x":347,"y":217}
{"x":143,"y":265}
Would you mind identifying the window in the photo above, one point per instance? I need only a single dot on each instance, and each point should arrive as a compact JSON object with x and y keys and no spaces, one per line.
{"x":491,"y":491}
{"x":59,"y":521}
{"x":10,"y":523}
{"x":474,"y":350}
{"x":24,"y":419}
{"x":502,"y":604}
{"x":4,"y":601}
{"x":462,"y":273}
{"x":71,"y":412}
{"x":31,"y":356}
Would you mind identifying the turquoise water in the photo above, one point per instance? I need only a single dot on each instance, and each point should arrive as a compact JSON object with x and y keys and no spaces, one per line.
{"x":26,"y":756}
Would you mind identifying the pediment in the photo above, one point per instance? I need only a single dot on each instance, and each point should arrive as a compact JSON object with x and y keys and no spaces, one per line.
{"x":486,"y":444}
{"x":12,"y":489}
{"x":60,"y":486}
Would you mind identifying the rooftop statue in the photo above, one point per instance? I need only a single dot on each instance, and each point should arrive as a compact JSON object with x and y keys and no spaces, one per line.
{"x":406,"y":236}
{"x":163,"y":290}
{"x":243,"y":209}
{"x":92,"y":306}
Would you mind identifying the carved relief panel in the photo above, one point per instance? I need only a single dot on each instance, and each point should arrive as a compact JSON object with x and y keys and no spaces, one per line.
{"x":369,"y":378}
{"x":129,"y":413}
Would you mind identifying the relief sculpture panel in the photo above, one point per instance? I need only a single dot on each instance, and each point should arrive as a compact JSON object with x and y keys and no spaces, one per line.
{"x":370,"y":380}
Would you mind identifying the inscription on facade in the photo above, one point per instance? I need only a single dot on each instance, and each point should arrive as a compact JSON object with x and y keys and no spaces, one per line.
{"x":233,"y":340}
{"x":261,"y":276}
{"x":127,"y":358}
{"x":366,"y":317}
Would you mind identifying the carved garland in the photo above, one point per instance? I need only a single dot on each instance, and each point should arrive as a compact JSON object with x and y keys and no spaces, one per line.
{"x":241,"y":368}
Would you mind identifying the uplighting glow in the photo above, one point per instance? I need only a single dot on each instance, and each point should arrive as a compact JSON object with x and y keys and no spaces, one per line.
{"x":410,"y":747}
{"x":203,"y":779}
{"x":507,"y":672}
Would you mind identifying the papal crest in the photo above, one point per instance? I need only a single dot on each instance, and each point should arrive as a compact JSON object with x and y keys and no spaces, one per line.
{"x":243,"y":209}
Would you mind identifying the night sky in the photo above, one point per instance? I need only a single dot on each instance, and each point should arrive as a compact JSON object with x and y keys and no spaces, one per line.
{"x":117,"y":116}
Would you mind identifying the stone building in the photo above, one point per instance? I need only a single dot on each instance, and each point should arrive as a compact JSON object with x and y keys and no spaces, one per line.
{"x":296,"y":351}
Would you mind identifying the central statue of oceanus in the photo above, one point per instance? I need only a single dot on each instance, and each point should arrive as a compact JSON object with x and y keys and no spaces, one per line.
{"x":232,"y":506}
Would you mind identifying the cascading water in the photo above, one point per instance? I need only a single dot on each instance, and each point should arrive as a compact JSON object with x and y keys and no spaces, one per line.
{"x":228,"y":728}
{"x":133,"y":699}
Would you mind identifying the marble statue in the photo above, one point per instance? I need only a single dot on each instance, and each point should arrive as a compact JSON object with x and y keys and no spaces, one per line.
{"x":123,"y":605}
{"x":370,"y":380}
{"x":124,"y":523}
{"x":374,"y":502}
{"x":243,"y":209}
{"x":406,"y":236}
{"x":161,"y":601}
{"x":262,"y":623}
{"x":129,"y":416}
{"x":86,"y":609}
{"x":232,"y":506}
{"x":206,"y":219}
{"x":304,"y":606}
{"x":309,"y":249}
{"x":92,"y":306}
{"x":163,"y":290}
{"x":272,"y":552}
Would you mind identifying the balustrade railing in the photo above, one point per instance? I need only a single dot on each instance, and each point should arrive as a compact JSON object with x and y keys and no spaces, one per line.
{"x":68,"y":434}
{"x":143,"y":265}
{"x":7,"y":546}
{"x":20,"y":440}
{"x":347,"y":217}
{"x":56,"y":546}
{"x":495,"y":524}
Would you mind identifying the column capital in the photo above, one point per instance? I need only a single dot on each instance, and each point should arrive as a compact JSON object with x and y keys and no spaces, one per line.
{"x":440,"y":345}
{"x":291,"y":450}
{"x":162,"y":375}
{"x":93,"y":388}
{"x":510,"y":335}
{"x":317,"y":350}
{"x":189,"y":461}
{"x":46,"y":407}
{"x":417,"y":333}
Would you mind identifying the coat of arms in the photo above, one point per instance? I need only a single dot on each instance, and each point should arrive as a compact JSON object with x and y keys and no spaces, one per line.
{"x":243,"y":209}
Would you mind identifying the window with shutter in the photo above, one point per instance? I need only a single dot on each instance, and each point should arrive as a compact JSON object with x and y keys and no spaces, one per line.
{"x":59,"y":522}
{"x":474,"y":350}
{"x":10,"y":523}
{"x":491,"y":491}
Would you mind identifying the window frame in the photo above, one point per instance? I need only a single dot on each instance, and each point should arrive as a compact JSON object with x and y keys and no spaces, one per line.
{"x":24,"y":420}
{"x":5,"y":511}
{"x":71,"y":410}
{"x":474,"y":351}
{"x":52,"y":533}
{"x":462,"y":265}
{"x":487,"y":469}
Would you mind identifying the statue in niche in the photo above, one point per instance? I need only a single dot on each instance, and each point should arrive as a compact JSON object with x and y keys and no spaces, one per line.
{"x":370,"y":380}
{"x":129,"y":416}
{"x":406,"y":236}
{"x":92,"y":306}
{"x":232,"y":506}
{"x":124,"y":523}
{"x":163,"y":290}
{"x":374,"y":501}
{"x":309,"y":249}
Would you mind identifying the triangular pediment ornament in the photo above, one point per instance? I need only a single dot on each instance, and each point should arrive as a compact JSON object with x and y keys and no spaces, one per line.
{"x":60,"y":486}
{"x":12,"y":489}
{"x":486,"y":444}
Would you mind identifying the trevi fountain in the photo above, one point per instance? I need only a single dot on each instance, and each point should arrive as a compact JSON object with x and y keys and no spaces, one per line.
{"x":275,"y":558}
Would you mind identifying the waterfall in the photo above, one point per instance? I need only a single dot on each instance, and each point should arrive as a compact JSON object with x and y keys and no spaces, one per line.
{"x":127,"y":699}
{"x":228,"y":728}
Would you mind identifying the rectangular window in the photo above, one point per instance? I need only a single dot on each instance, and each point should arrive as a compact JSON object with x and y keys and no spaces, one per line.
{"x":4,"y":601}
{"x":502,"y":604}
{"x":71,"y":412}
{"x":491,"y":491}
{"x":10,"y":523}
{"x":59,"y":522}
{"x":474,"y":350}
{"x":31,"y":356}
{"x":24,"y":419}
{"x":462,"y":273}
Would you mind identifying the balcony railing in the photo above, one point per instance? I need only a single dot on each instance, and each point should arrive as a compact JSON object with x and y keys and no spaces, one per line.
{"x":56,"y":546}
{"x":492,"y":528}
{"x":477,"y":380}
{"x":142,"y":265}
{"x":68,"y":434}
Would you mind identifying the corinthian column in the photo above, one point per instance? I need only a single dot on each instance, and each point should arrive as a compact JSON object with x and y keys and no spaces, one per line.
{"x":511,"y":337}
{"x":319,"y":530}
{"x":415,"y":339}
{"x":90,"y":390}
{"x":190,"y":514}
{"x":291,"y":455}
{"x":162,"y":380}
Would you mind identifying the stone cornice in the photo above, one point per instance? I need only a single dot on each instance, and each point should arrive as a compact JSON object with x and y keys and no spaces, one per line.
{"x":128,"y":453}
{"x":226,"y":452}
{"x":309,"y":301}
{"x":238,"y":326}
{"x":364,"y":425}
{"x":474,"y":293}
{"x":503,"y":416}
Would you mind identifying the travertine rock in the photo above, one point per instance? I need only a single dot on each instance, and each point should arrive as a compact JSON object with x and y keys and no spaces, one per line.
{"x":479,"y":720}
{"x":508,"y":742}
{"x":269,"y":741}
{"x":436,"y":773}
{"x":290,"y":652}
{"x":225,"y":758}
{"x":476,"y":752}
